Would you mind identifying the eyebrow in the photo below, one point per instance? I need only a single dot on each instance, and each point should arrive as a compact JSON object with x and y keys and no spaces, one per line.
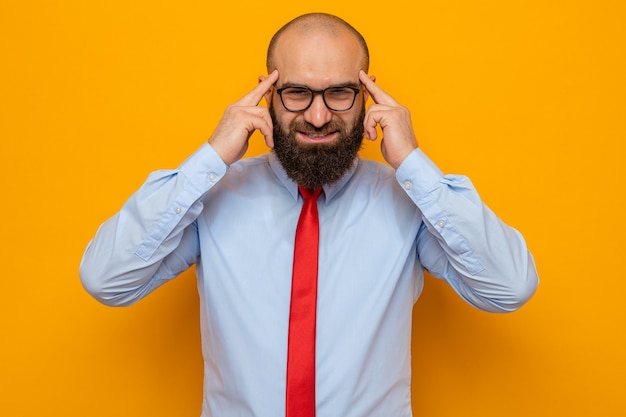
{"x":339,"y":85}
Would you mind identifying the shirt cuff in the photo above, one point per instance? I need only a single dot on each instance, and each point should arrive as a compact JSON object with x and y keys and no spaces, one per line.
{"x":418,"y":175}
{"x":203,"y":169}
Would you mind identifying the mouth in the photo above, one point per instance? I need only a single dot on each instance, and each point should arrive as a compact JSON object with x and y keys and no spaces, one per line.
{"x":316,"y":137}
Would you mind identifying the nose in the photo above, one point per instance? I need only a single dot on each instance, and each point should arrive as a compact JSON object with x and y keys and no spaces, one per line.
{"x":318,"y":114}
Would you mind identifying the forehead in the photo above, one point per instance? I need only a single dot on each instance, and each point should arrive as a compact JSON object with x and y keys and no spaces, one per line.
{"x":318,"y":58}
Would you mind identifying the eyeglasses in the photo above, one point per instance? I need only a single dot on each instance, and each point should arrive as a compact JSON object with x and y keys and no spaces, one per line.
{"x":298,"y":99}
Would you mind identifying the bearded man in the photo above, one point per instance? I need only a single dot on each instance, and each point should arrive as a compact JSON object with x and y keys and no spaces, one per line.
{"x":376,"y":228}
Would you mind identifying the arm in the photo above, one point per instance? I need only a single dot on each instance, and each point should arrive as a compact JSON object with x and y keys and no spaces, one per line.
{"x":154,"y":236}
{"x":461,"y":240}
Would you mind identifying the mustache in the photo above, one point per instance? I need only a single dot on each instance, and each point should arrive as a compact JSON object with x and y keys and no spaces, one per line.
{"x":307,"y":128}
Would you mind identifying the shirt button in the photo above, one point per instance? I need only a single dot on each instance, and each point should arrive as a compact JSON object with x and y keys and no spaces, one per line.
{"x":178,"y":210}
{"x":408,"y":185}
{"x":212,"y":177}
{"x":441,"y":223}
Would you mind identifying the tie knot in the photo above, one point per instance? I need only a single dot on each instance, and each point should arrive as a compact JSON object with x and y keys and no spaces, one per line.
{"x":307,"y":193}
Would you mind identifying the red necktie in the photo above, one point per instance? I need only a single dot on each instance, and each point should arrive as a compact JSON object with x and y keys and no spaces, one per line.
{"x":301,"y":348}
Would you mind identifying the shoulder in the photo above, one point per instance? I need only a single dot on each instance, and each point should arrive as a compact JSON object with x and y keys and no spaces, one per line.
{"x":252,"y":163}
{"x":252,"y":175}
{"x":376,"y":181}
{"x":374,"y":173}
{"x":257,"y":167}
{"x":375,"y":167}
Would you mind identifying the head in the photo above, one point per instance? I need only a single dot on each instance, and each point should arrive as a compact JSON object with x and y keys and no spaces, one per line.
{"x":317,"y":145}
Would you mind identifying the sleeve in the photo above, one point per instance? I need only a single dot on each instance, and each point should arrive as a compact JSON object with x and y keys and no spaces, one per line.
{"x":153,"y":238}
{"x":463,"y":242}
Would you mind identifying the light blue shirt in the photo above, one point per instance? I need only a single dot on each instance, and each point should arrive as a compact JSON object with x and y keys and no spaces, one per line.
{"x":379,"y":230}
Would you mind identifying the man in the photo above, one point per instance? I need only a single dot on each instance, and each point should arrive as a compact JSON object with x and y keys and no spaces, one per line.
{"x":379,"y":228}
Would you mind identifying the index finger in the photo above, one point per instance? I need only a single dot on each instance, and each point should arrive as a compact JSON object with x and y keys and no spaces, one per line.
{"x":378,"y":94}
{"x":254,"y":97}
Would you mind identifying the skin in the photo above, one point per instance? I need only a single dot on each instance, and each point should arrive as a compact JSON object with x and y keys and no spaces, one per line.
{"x":317,"y":60}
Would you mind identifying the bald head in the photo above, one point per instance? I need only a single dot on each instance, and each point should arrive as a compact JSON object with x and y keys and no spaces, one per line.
{"x":317,"y":23}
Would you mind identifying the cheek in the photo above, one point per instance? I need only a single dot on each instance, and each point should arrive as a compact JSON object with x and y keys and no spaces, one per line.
{"x":286,"y":119}
{"x":349,"y":120}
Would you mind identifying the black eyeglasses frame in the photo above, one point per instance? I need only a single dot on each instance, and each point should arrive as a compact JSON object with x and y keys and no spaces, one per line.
{"x":356,"y":91}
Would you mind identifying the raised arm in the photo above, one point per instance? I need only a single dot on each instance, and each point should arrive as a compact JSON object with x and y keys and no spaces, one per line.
{"x":461,"y":240}
{"x":153,"y":238}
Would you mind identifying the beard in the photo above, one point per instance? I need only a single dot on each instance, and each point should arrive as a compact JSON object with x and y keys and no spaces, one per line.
{"x":312,"y":165}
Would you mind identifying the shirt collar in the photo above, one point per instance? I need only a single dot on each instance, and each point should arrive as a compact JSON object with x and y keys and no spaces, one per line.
{"x":330,"y":190}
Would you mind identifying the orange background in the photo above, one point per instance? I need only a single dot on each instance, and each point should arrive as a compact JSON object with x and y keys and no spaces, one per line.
{"x":528,"y":98}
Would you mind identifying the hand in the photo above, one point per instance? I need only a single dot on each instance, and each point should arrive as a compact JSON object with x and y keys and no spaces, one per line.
{"x":395,"y":121}
{"x":240,"y":120}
